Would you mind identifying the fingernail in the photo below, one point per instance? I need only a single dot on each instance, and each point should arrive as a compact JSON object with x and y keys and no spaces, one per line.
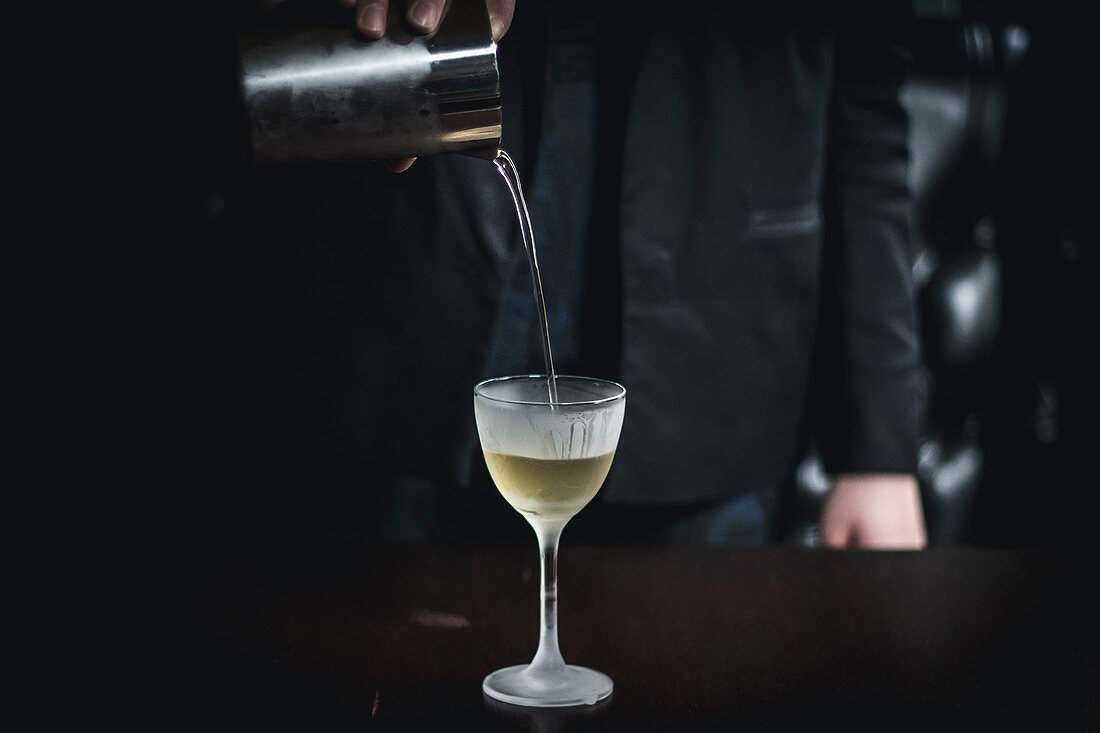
{"x":373,"y":21}
{"x":425,"y":15}
{"x":498,"y":28}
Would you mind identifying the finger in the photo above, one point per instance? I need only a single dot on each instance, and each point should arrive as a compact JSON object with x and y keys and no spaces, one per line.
{"x":370,"y":17}
{"x":874,"y":540}
{"x":500,"y":16}
{"x":835,"y":529}
{"x":424,"y":15}
{"x":834,"y":535}
{"x":398,"y":165}
{"x":903,"y":534}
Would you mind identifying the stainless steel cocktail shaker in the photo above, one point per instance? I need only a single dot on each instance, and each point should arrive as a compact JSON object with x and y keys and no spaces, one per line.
{"x":324,"y":93}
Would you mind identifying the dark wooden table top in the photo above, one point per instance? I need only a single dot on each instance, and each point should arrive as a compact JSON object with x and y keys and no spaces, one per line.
{"x":694,"y":638}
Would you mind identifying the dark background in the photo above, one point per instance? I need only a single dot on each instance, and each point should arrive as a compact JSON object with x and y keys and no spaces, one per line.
{"x":204,"y":349}
{"x":163,"y":348}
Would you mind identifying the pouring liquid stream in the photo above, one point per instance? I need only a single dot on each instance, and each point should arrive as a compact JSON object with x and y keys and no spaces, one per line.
{"x":507,"y":168}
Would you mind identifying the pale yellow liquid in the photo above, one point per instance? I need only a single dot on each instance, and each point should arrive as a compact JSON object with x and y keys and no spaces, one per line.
{"x":554,"y":489}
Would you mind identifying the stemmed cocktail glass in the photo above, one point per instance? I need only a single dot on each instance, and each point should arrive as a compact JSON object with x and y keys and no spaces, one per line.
{"x":548,"y":457}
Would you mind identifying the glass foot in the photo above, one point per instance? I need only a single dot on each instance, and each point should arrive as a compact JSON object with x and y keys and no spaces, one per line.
{"x":570,"y":685}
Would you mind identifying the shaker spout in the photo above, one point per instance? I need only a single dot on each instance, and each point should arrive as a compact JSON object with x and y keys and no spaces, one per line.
{"x":489,"y":153}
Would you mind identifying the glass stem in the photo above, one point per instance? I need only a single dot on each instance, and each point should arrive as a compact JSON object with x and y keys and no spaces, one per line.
{"x":548,"y":657}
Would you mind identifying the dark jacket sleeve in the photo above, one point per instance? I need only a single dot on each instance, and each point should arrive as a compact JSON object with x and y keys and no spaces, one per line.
{"x":869,"y":376}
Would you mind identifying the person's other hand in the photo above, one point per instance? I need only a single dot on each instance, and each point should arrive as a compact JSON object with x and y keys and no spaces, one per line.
{"x":874,"y":511}
{"x":423,"y":16}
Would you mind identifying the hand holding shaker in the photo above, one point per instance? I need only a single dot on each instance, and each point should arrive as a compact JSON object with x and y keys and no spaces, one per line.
{"x":322,"y":92}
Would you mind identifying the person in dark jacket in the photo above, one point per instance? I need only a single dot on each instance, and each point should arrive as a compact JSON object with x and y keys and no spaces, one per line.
{"x":722,"y":215}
